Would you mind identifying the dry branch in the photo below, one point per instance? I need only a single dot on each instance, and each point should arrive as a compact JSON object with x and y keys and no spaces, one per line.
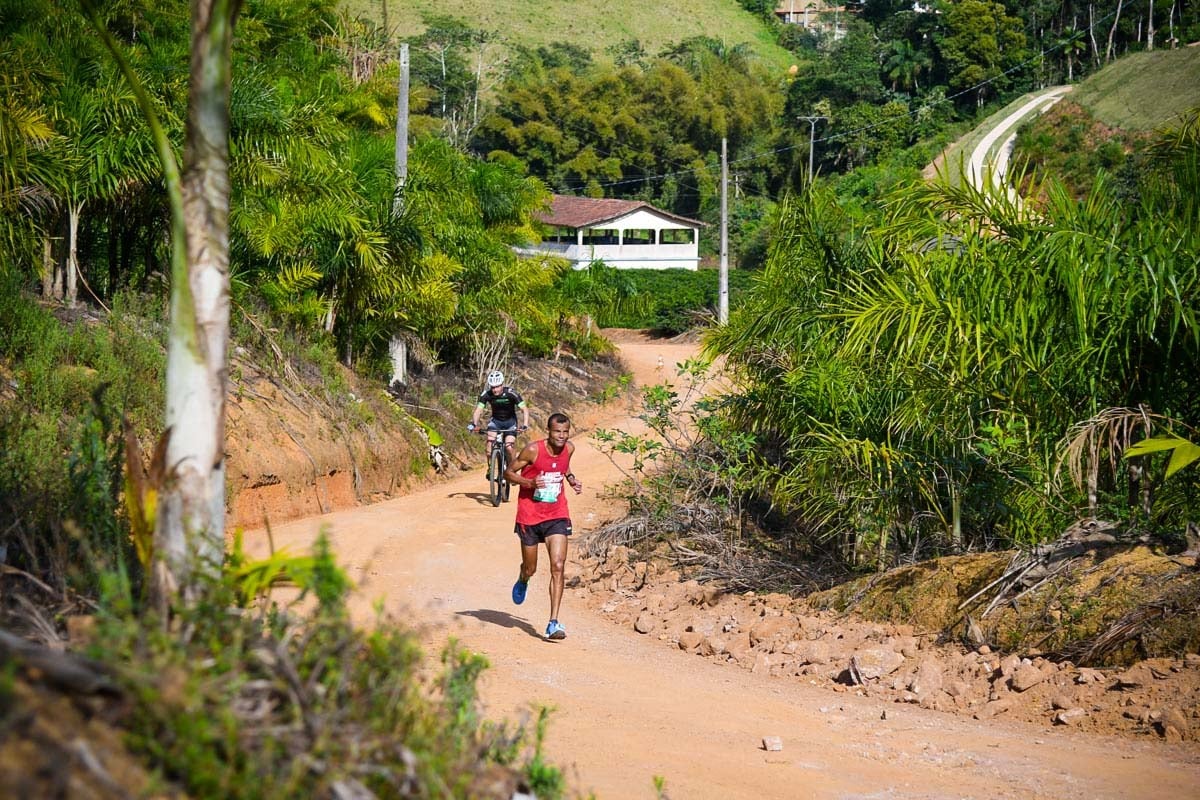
{"x":1183,"y":599}
{"x":65,"y":670}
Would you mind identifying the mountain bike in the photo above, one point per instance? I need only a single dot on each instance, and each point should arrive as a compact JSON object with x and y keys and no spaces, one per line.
{"x":498,"y":486}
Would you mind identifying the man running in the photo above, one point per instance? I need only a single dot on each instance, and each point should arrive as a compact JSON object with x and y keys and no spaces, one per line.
{"x":504,"y":402}
{"x":542,"y":515}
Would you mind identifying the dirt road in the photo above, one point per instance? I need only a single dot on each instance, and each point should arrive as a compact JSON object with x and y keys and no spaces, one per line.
{"x":629,"y":708}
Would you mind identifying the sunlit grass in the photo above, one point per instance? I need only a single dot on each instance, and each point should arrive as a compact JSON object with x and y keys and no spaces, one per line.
{"x":1143,"y":91}
{"x":593,"y":26}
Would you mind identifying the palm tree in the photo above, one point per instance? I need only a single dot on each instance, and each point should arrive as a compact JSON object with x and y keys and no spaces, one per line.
{"x":102,"y":151}
{"x":905,"y":64}
{"x":903,"y":390}
{"x":189,"y":524}
{"x":1072,"y":44}
{"x":29,"y":176}
{"x":27,"y":179}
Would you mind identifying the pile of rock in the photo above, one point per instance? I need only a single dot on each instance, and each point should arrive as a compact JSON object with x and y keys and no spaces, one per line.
{"x":780,"y":636}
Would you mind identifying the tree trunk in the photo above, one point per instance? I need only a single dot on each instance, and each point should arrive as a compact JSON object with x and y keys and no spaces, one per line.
{"x":1150,"y":25}
{"x":48,"y":268}
{"x":478,"y":88}
{"x":398,"y":350}
{"x":1092,"y":34}
{"x":190,"y":530}
{"x":331,"y":312}
{"x":1108,"y":51}
{"x":72,"y":289}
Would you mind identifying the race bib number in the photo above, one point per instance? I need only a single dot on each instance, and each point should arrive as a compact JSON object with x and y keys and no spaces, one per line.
{"x":551,"y":487}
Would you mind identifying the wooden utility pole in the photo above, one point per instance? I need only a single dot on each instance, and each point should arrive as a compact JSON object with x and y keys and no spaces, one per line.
{"x":723,"y":284}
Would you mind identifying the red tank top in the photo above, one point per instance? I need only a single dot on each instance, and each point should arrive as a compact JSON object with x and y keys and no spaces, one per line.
{"x":550,"y":501}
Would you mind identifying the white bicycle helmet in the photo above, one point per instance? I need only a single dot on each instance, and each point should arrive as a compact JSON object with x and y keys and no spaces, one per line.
{"x":495,"y":378}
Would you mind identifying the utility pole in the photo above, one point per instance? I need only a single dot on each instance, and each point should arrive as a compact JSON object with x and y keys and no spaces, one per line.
{"x":723,"y":283}
{"x":401,"y":133}
{"x":812,"y":129}
{"x":398,"y":345}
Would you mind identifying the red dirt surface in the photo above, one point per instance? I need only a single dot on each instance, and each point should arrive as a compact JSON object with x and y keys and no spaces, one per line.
{"x":631,"y":706}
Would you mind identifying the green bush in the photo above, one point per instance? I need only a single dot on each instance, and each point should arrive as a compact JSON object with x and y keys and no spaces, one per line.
{"x":276,"y":702}
{"x":676,"y":298}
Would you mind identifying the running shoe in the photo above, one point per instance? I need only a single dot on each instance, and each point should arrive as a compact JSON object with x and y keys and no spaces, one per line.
{"x":518,"y":592}
{"x":555,"y":630}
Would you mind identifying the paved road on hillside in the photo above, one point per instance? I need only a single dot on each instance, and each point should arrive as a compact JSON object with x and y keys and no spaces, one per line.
{"x":980,"y":165}
{"x":630,"y":707}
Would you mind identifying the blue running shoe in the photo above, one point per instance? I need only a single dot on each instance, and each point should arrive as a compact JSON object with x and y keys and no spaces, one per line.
{"x":555,"y":631}
{"x":518,"y":592}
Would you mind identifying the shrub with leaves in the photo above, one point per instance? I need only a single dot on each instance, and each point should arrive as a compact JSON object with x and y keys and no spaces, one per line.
{"x":689,"y":478}
{"x":295,"y":701}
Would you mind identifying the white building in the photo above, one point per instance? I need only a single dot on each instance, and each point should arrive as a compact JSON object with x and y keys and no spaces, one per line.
{"x":626,"y":234}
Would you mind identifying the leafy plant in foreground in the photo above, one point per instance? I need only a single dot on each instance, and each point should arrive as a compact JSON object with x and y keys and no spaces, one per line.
{"x":296,"y":700}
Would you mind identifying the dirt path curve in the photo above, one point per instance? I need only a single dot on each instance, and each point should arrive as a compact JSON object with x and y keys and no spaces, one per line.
{"x":629,"y":708}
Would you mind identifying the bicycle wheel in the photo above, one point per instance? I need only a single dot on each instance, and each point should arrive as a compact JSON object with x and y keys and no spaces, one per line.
{"x":504,"y":466}
{"x":496,"y":475}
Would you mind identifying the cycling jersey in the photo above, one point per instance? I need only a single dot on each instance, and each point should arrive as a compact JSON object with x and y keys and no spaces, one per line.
{"x":504,"y":405}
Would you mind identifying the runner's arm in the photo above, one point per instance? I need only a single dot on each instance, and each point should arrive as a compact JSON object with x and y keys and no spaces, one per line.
{"x":526,"y":457}
{"x":570,"y":478}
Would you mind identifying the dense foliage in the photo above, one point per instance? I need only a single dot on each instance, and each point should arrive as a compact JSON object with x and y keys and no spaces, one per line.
{"x":325,"y":248}
{"x":319,"y":234}
{"x":649,"y":130}
{"x":926,"y":381}
{"x":268,"y":701}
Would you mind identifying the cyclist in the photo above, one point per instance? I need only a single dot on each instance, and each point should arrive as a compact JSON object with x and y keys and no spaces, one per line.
{"x":504,"y":402}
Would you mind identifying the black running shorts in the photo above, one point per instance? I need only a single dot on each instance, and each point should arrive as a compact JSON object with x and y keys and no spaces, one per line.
{"x":532,"y":535}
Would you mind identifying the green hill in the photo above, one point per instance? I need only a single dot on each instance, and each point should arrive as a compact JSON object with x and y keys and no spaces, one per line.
{"x":1104,"y":123}
{"x":592,"y":26}
{"x":1143,"y":90}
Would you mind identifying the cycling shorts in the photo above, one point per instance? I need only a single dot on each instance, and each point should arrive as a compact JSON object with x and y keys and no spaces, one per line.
{"x":505,"y":425}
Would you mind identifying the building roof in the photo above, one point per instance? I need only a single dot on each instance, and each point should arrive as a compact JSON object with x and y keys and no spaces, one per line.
{"x":588,"y":212}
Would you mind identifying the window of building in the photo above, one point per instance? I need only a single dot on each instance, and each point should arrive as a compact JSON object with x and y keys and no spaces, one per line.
{"x":637,"y":236}
{"x":677,"y":236}
{"x":600,"y":236}
{"x":561,"y":235}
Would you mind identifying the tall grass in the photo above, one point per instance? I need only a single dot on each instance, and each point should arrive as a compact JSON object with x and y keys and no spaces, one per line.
{"x":250,"y":700}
